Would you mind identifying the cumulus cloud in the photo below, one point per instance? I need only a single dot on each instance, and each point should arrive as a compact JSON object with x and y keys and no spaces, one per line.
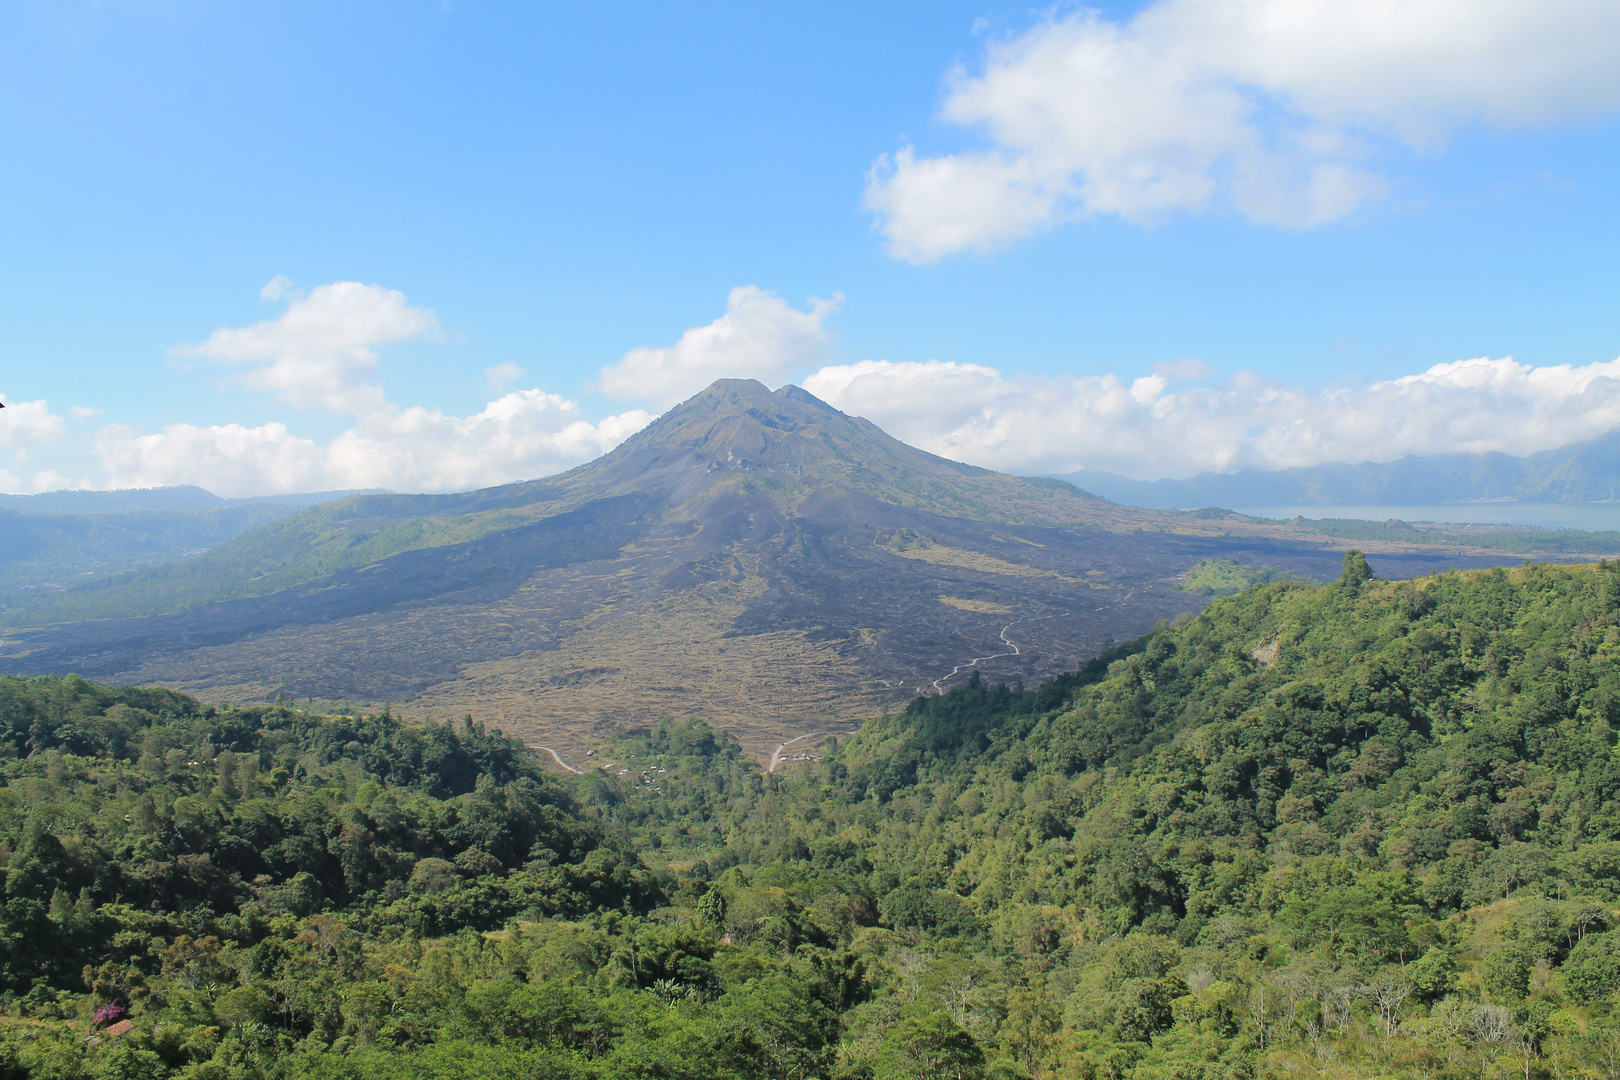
{"x":25,"y":425}
{"x":1281,"y":110}
{"x":322,"y":351}
{"x":760,"y":336}
{"x":522,"y":434}
{"x":1030,"y":424}
{"x":29,"y":423}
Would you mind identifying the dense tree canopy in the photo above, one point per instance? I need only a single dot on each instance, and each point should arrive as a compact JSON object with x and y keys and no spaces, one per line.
{"x":1358,"y":829}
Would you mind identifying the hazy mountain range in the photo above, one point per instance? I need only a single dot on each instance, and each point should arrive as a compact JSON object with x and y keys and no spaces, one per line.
{"x":53,"y":552}
{"x":1582,"y":472}
{"x":758,"y":558}
{"x":52,"y":541}
{"x":141,"y":500}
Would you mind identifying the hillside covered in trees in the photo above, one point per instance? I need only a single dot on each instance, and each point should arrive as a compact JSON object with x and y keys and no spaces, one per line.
{"x":1358,"y":829}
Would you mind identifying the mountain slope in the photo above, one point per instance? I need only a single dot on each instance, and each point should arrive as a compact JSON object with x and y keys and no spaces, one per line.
{"x":1579,"y":473}
{"x":1369,"y":825}
{"x":40,"y":555}
{"x":756,"y":557}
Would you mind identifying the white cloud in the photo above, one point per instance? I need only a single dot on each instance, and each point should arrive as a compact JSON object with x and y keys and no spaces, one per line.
{"x":51,"y":480}
{"x":29,"y":423}
{"x":41,"y":480}
{"x":83,"y":412}
{"x":227,"y":459}
{"x":523,"y":434}
{"x":1278,"y":109}
{"x":276,"y":287}
{"x":1027,"y":424}
{"x":760,"y":337}
{"x":321,"y":352}
{"x":501,"y":376}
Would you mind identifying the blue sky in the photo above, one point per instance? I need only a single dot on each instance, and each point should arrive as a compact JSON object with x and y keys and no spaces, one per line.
{"x":560,"y":185}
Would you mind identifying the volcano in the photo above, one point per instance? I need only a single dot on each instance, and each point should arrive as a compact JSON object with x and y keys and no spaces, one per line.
{"x":760,"y":559}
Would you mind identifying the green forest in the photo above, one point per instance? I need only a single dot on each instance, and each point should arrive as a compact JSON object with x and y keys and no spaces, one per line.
{"x":1355,"y":829}
{"x":1223,"y":577}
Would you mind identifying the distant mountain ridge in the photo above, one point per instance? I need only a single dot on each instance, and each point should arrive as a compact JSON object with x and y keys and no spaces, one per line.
{"x":142,"y":500}
{"x":1583,"y":472}
{"x":42,"y":553}
{"x":58,"y":539}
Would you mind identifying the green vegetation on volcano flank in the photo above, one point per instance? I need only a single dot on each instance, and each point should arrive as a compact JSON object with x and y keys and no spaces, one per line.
{"x":43,"y":555}
{"x":1361,"y":829}
{"x":1226,"y":577}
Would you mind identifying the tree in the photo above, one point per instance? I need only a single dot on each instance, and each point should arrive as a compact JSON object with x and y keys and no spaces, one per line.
{"x":929,"y":1046}
{"x":1489,"y":1029}
{"x":1388,"y":993}
{"x":1592,"y":971}
{"x":1145,"y":1006}
{"x":711,"y":908}
{"x":1031,"y":1023}
{"x":1507,"y":973}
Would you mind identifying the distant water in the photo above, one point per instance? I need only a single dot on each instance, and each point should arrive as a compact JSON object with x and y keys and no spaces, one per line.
{"x":1594,"y":517}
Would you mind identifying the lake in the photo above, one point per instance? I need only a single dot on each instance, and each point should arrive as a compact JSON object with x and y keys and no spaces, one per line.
{"x":1594,"y":517}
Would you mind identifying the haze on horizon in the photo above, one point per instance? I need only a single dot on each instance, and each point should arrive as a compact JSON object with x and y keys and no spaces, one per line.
{"x":1156,"y":239}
